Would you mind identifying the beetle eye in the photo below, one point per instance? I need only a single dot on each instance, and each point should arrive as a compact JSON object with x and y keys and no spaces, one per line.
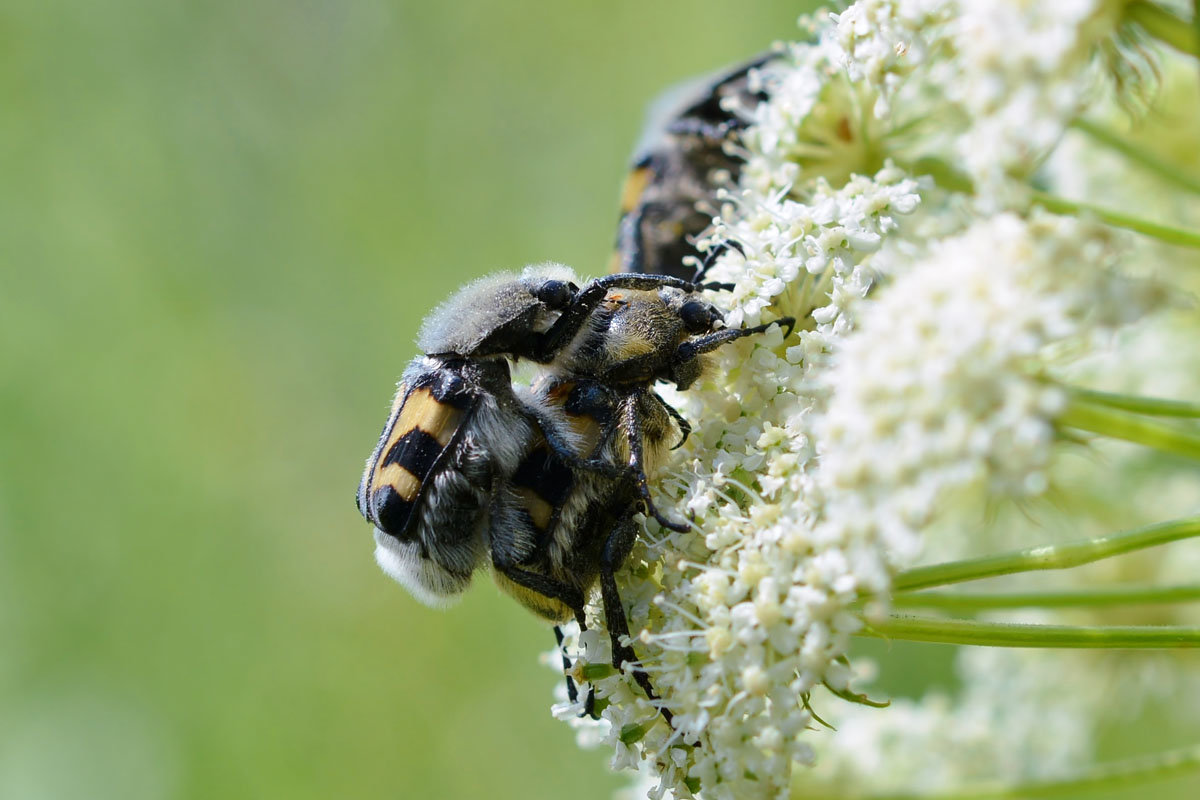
{"x":555,"y":294}
{"x":698,"y":317}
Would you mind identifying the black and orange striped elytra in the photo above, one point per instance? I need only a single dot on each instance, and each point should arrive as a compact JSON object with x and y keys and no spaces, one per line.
{"x":457,"y":428}
{"x":685,"y":155}
{"x":425,"y":420}
{"x":429,"y":478}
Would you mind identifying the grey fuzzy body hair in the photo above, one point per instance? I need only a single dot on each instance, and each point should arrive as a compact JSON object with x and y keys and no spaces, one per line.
{"x":482,"y":306}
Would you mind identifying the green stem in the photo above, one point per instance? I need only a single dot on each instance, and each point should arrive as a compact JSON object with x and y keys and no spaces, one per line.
{"x":1131,"y":428}
{"x":943,"y":174}
{"x":1011,"y":634}
{"x":1171,"y":30}
{"x":1172,"y":173}
{"x":1070,"y":598}
{"x":1138,"y":769}
{"x":1140,"y":405}
{"x":1165,"y":233}
{"x":949,"y":178}
{"x":1196,"y":18}
{"x":1062,"y":556}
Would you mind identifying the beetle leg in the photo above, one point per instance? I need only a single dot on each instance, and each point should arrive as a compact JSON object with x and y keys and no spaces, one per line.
{"x":633,"y":432}
{"x":685,"y":427}
{"x":616,"y":550}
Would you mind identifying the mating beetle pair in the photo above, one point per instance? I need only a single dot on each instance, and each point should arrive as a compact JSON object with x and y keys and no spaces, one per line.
{"x":543,"y":482}
{"x":540,"y":482}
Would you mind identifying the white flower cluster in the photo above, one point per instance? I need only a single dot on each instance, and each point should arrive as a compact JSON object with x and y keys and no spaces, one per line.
{"x":939,"y":386}
{"x":1021,"y":76}
{"x":1015,"y":717}
{"x":928,"y":323}
{"x":750,"y":613}
{"x":994,"y":81}
{"x":880,"y":43}
{"x":808,"y":250}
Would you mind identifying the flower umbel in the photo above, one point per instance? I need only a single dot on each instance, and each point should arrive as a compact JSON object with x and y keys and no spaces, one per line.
{"x":886,"y":203}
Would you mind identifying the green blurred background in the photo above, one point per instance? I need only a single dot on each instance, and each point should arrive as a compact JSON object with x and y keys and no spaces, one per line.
{"x":220,"y":224}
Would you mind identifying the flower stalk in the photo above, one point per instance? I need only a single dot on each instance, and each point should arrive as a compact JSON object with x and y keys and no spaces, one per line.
{"x":1060,"y":556}
{"x":1120,"y":424}
{"x":1170,"y":29}
{"x":1137,"y":404}
{"x":947,"y":177}
{"x":1013,"y":634}
{"x":1170,"y":234}
{"x":1065,"y":598}
{"x":1112,"y":775}
{"x":1172,"y":173}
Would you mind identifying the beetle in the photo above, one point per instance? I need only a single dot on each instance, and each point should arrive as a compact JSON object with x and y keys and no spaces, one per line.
{"x":567,"y":529}
{"x":685,"y":154}
{"x":457,"y":427}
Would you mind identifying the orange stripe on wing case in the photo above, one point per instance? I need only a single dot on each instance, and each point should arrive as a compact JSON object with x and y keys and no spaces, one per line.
{"x":635,"y":186}
{"x":422,"y":411}
{"x":400,"y":479}
{"x":419,"y":413}
{"x":538,"y":509}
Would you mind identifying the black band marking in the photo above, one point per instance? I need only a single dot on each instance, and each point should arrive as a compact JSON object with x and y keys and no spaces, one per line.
{"x":392,"y":512}
{"x":416,"y":451}
{"x":545,"y":474}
